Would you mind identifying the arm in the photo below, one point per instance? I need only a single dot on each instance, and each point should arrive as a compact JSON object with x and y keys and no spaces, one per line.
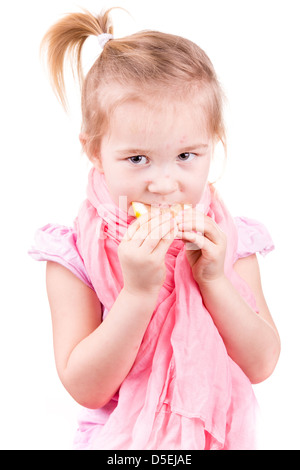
{"x":251,"y":340}
{"x":93,"y":357}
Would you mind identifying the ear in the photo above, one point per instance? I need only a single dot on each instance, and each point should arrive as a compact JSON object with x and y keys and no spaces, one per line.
{"x":94,"y":159}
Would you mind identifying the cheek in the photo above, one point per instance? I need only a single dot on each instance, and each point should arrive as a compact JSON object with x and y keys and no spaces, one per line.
{"x":123,"y":192}
{"x":197,"y":184}
{"x":196,"y":197}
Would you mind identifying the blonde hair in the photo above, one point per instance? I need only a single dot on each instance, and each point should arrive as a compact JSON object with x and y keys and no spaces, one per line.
{"x":143,"y":64}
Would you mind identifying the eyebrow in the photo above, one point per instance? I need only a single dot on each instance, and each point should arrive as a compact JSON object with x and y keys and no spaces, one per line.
{"x":194,"y":147}
{"x":139,"y":151}
{"x":133,"y":151}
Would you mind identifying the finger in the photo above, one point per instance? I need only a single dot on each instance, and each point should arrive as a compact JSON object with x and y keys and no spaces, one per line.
{"x":202,"y":224}
{"x":197,"y":241}
{"x":164,"y":244}
{"x":135,"y":226}
{"x":155,"y":228}
{"x":213,"y":232}
{"x":164,"y":231}
{"x":191,"y":220}
{"x":185,"y":214}
{"x":161,"y":229}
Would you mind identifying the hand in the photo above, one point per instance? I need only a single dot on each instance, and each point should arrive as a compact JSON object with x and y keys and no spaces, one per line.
{"x":205,"y":245}
{"x":142,"y":252}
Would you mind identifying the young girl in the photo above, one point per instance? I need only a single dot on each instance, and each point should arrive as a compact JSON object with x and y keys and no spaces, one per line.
{"x":160,"y":323}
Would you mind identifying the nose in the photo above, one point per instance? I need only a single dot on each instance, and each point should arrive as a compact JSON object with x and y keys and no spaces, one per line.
{"x":163,"y":184}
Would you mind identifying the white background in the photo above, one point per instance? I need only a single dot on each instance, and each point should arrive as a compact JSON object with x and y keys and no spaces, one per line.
{"x":254,"y":45}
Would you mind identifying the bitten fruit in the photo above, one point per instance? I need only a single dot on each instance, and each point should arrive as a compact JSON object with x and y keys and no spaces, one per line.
{"x":139,"y":208}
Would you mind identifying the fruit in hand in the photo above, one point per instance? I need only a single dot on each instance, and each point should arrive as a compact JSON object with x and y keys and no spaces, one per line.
{"x":139,"y":208}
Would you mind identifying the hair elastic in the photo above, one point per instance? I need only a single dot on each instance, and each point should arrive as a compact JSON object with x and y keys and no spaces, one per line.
{"x":104,"y":38}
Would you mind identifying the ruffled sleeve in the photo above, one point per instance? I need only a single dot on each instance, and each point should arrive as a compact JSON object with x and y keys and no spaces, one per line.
{"x":253,"y":237}
{"x":58,"y":243}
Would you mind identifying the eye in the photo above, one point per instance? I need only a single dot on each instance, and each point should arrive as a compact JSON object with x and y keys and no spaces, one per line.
{"x":186,"y":157}
{"x":138,"y":160}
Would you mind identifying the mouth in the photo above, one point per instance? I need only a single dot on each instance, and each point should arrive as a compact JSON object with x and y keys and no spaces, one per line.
{"x":140,"y":208}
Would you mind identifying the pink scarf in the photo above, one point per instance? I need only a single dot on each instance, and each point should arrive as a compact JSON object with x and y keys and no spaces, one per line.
{"x":183,"y":391}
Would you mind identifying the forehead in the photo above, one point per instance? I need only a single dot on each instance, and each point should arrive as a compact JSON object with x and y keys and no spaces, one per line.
{"x":164,"y":118}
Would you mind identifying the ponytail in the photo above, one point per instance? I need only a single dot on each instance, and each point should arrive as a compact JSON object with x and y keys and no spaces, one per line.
{"x":147,"y":64}
{"x":65,"y":39}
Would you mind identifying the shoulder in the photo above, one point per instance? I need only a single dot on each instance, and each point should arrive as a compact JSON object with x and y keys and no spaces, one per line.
{"x":58,"y":243}
{"x":253,"y":237}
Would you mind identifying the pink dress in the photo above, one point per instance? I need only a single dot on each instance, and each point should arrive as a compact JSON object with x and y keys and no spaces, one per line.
{"x":58,"y":243}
